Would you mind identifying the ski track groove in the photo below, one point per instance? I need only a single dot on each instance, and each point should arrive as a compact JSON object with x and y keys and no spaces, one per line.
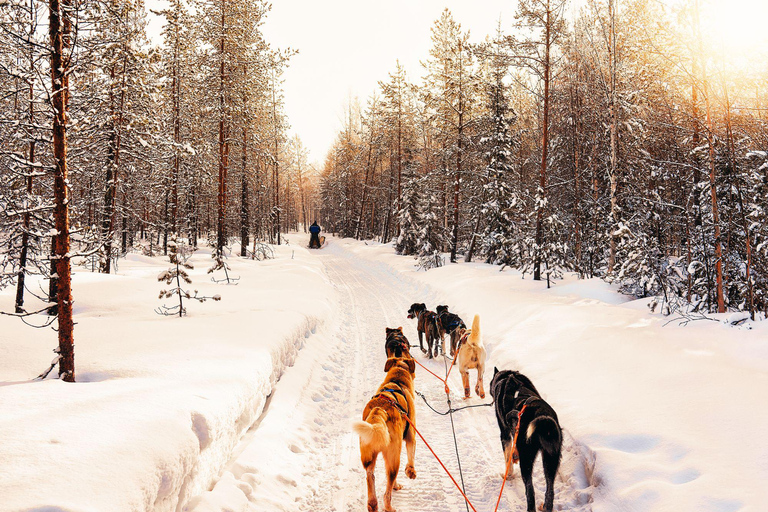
{"x":373,"y":296}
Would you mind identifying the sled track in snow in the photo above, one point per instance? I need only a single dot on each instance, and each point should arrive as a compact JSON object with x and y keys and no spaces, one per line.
{"x":373,"y":296}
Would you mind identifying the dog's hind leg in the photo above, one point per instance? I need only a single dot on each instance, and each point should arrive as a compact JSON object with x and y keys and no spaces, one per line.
{"x":465,"y":381}
{"x":410,"y":448}
{"x":436,"y":339}
{"x":370,"y":464}
{"x":392,"y":465}
{"x":479,"y":387}
{"x":551,"y":463}
{"x":506,"y":445}
{"x":454,"y":341}
{"x":526,"y":471}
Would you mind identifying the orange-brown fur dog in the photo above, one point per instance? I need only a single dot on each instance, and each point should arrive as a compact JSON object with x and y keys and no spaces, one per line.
{"x":385,"y":427}
{"x":472,"y":355}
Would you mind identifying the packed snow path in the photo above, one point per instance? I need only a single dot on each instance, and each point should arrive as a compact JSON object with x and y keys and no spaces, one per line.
{"x":302,"y":454}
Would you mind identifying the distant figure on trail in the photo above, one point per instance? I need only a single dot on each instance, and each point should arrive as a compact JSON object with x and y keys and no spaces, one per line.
{"x":314,"y":239}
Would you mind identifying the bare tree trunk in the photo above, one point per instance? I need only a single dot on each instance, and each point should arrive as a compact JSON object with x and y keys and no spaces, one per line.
{"x":544,"y":150}
{"x":244,"y":213}
{"x":277,"y":164}
{"x":456,"y":185}
{"x":221,"y":238}
{"x":176,"y":93}
{"x":577,"y":172}
{"x":385,"y":234}
{"x":113,"y":155}
{"x":365,"y":188}
{"x":712,"y":181}
{"x":27,"y":217}
{"x":304,"y":216}
{"x":59,"y":31}
{"x":694,"y":178}
{"x":614,"y":134}
{"x":744,"y":222}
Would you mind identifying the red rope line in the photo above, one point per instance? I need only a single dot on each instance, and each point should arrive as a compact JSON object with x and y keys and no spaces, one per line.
{"x":444,"y":380}
{"x":511,"y":456}
{"x":447,"y":389}
{"x":455,"y":355}
{"x":441,"y":463}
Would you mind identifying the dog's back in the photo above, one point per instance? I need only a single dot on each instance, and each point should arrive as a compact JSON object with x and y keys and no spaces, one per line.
{"x":385,"y":425}
{"x":397,"y":345}
{"x":448,"y":322}
{"x":472,"y":356}
{"x":520,"y":407}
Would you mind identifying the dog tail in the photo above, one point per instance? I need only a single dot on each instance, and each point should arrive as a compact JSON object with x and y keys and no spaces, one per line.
{"x":373,"y":431}
{"x":547,"y":431}
{"x":474,"y":335}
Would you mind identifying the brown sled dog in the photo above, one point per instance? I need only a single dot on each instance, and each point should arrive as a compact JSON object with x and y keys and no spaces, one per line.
{"x":397,"y":345}
{"x":472,"y":355}
{"x":385,"y":427}
{"x":426,"y":325}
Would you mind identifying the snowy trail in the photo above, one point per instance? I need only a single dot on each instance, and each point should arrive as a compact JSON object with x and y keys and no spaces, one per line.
{"x":303,"y":456}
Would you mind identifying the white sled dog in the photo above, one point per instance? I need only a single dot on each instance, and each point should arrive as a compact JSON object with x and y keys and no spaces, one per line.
{"x":472,"y":355}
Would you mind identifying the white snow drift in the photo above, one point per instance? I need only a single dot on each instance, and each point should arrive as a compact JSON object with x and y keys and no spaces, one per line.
{"x":160,"y":402}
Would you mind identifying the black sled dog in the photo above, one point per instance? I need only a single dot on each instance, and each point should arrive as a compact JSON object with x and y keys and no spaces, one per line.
{"x":450,"y":324}
{"x":516,"y":398}
{"x":397,"y":344}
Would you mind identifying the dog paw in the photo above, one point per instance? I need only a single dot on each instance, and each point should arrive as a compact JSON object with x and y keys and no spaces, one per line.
{"x":424,"y":350}
{"x":410,"y":472}
{"x":373,"y":506}
{"x":397,"y":487}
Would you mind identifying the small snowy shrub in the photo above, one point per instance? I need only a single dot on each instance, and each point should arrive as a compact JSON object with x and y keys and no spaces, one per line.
{"x":178,"y":254}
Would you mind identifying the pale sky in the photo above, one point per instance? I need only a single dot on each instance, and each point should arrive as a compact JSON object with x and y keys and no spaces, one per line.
{"x":347,"y":46}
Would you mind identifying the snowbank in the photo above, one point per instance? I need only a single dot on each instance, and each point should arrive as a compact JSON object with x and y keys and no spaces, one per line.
{"x":676,"y":415}
{"x":160,"y":402}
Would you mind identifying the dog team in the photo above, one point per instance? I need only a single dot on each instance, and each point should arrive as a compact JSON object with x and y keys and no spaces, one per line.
{"x":528,"y":425}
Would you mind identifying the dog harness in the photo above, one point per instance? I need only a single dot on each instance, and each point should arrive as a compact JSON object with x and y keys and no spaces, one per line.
{"x":515,"y":455}
{"x":456,"y":322}
{"x":396,"y":391}
{"x":463,"y":338}
{"x":395,"y":403}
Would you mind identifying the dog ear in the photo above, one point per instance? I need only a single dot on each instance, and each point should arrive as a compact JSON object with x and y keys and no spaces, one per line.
{"x":400,"y":329}
{"x":495,"y":370}
{"x":389,"y":364}
{"x":411,"y":366}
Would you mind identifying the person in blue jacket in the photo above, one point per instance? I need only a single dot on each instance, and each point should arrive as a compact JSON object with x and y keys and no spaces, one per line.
{"x":314,"y":239}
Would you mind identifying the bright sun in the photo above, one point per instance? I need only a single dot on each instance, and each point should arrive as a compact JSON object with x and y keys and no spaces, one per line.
{"x":737,"y":27}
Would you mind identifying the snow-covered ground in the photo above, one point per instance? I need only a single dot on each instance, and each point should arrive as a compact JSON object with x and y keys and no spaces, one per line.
{"x":160,"y":402}
{"x":656,"y":418}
